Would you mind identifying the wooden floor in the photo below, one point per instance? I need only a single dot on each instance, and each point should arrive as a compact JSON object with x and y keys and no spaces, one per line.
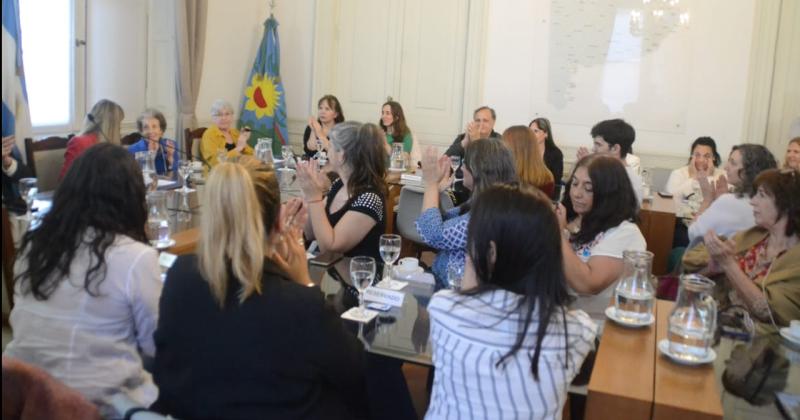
{"x":416,"y":378}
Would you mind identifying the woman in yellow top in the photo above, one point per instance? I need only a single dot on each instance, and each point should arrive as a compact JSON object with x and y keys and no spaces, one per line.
{"x":222,"y":140}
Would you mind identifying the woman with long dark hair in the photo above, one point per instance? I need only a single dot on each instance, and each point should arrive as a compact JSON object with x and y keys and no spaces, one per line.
{"x":88,"y":283}
{"x":552,"y":155}
{"x":351,"y":217}
{"x":508,"y":330}
{"x":598,"y":223}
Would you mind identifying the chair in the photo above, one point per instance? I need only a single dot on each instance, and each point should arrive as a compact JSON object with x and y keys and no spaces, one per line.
{"x":659,"y":178}
{"x":190,"y":146}
{"x":45,"y":159}
{"x":409,"y":209}
{"x":130,"y":138}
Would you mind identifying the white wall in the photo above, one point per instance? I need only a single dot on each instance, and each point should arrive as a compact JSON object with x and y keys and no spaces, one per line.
{"x":234,"y":33}
{"x":692,"y":83}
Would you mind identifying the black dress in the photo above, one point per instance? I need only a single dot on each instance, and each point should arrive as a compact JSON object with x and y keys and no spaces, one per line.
{"x":460,"y":193}
{"x":370,"y":203}
{"x":554,"y":160}
{"x":279,"y":354}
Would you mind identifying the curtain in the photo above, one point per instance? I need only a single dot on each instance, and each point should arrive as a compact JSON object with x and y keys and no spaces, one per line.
{"x":190,"y":40}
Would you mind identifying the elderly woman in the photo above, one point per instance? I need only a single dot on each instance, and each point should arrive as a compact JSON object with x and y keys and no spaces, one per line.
{"x":792,"y":159}
{"x":102,"y":124}
{"x":726,"y":213}
{"x":761,"y":264}
{"x":151,"y":124}
{"x":222,"y":139}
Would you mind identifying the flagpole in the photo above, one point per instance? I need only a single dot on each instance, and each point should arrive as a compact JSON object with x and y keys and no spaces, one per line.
{"x":271,"y":7}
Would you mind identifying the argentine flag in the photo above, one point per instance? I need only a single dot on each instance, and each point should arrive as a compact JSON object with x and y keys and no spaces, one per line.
{"x":16,"y":118}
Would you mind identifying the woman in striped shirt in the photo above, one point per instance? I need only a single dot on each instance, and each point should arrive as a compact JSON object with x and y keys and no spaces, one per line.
{"x":506,"y":346}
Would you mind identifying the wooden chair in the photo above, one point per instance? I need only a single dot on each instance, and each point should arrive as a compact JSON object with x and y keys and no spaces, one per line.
{"x":130,"y":139}
{"x":45,"y":158}
{"x":190,"y":146}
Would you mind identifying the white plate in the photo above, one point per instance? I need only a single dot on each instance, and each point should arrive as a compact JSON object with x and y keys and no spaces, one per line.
{"x":787,"y":334}
{"x":406,"y":274}
{"x":391,"y":284}
{"x":354,"y":314}
{"x":611,"y":313}
{"x":663,"y":347}
{"x":163,"y":245}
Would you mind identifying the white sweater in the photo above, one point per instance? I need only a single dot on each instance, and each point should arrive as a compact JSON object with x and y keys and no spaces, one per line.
{"x":727,"y":215}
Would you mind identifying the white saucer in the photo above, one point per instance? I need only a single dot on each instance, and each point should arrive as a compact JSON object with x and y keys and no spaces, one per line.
{"x":787,"y":334}
{"x":611,"y":313}
{"x":163,"y":245}
{"x":396,"y":170}
{"x":406,"y":274}
{"x":663,"y":347}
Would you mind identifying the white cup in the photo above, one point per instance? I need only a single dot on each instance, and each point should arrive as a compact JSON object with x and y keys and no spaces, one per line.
{"x":794,"y":327}
{"x":408,"y":265}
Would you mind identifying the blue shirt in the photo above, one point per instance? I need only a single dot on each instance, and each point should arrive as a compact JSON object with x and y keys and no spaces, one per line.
{"x":448,"y":234}
{"x":141,"y":146}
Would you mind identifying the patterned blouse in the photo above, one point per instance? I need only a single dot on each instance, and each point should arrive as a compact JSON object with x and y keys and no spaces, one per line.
{"x":448,"y":234}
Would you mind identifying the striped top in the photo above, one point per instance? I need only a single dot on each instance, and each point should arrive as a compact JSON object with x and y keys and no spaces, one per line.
{"x":469,"y":334}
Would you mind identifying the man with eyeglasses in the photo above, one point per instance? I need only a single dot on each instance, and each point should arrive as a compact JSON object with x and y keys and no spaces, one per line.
{"x":481,"y":127}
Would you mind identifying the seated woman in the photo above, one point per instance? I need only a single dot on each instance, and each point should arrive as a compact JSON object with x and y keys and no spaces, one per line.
{"x":508,"y":330}
{"x":528,"y":158}
{"x":726,"y":213}
{"x":553,"y":158}
{"x":329,"y":113}
{"x":102,"y":124}
{"x":241,"y":333}
{"x":151,"y":124}
{"x":13,"y":170}
{"x":684,"y":185}
{"x":351,"y":217}
{"x":761,"y":264}
{"x":598,"y":221}
{"x":486,"y":162}
{"x":792,"y":159}
{"x":88,"y":283}
{"x":222,"y":139}
{"x":393,"y":123}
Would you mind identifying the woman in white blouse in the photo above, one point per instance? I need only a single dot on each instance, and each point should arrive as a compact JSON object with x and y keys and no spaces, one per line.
{"x":727,"y":213}
{"x":598,"y":221}
{"x":88,"y":283}
{"x":506,"y":346}
{"x":683,"y":182}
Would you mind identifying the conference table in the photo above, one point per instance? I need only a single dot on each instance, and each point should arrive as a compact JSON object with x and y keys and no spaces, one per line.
{"x":657,"y":223}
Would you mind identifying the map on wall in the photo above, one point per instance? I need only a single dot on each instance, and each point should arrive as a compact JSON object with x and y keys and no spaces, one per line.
{"x":613,"y":58}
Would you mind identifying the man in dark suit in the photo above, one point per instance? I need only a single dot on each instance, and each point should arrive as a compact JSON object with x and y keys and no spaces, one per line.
{"x":13,"y":171}
{"x":481,"y":127}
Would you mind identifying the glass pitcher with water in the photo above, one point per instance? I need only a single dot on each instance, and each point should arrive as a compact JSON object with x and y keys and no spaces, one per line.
{"x":263,"y":150}
{"x":147,"y":161}
{"x":398,"y":159}
{"x":693,"y":321}
{"x":635,"y":294}
{"x":157,"y":219}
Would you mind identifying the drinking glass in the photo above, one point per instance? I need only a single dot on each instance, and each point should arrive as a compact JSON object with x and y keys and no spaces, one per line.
{"x":287,"y":153}
{"x":693,"y":320}
{"x":362,"y":272}
{"x":389,"y":247}
{"x":455,"y":163}
{"x":454,"y":276}
{"x":185,"y":171}
{"x":28,"y":190}
{"x":184,"y":211}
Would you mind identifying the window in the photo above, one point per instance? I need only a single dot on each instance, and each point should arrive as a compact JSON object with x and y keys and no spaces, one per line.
{"x":53,"y":69}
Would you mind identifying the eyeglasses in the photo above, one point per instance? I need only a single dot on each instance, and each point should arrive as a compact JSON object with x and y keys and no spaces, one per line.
{"x":222,"y":114}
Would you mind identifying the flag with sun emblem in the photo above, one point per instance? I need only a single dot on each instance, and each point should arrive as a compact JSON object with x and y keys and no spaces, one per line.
{"x":264,"y":103}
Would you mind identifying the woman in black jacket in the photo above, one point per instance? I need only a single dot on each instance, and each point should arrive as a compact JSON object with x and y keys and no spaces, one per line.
{"x":242,"y":331}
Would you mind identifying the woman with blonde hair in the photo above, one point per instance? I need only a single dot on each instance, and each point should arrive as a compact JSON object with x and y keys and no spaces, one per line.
{"x":528,"y":158}
{"x":242,"y":332}
{"x":102,"y":124}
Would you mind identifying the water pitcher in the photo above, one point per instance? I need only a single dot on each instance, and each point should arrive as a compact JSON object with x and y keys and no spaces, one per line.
{"x":264,"y":150}
{"x":157,"y":218}
{"x":693,"y":321}
{"x":635,"y":294}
